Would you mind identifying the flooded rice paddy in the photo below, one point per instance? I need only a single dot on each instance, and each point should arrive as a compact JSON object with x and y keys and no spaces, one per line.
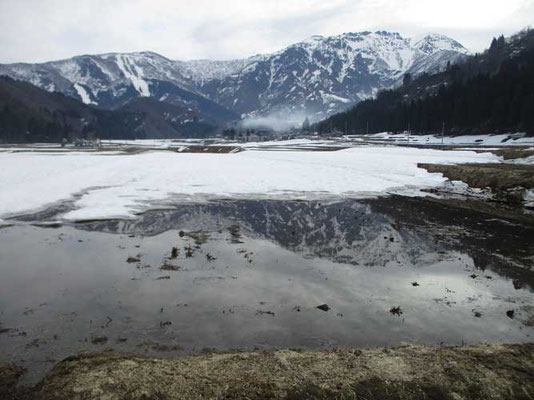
{"x":261,"y":275}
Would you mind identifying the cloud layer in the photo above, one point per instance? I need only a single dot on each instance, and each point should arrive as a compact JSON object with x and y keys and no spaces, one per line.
{"x":42,"y":30}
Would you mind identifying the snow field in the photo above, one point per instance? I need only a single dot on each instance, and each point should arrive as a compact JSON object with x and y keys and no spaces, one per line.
{"x":110,"y":186}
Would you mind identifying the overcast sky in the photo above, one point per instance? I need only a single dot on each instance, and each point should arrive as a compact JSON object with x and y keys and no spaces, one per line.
{"x":42,"y":30}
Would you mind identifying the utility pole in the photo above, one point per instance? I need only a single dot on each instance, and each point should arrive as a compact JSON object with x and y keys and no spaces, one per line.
{"x":442,"y":132}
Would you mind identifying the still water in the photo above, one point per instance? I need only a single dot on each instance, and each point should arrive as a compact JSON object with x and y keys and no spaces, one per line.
{"x":251,"y":274}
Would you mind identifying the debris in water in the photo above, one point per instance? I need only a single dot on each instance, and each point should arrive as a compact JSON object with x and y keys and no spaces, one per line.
{"x":200,"y":237}
{"x":163,"y":277}
{"x":323,"y":307}
{"x":235,"y":234}
{"x":188,"y":251}
{"x":134,"y":259}
{"x":510,"y":314}
{"x":261,"y":312}
{"x":210,"y":258}
{"x":34,"y":343}
{"x":159,"y":346}
{"x":170,"y":267}
{"x":517,"y":284}
{"x":174,"y":252}
{"x":395,"y":310}
{"x":415,"y":284}
{"x":99,"y":339}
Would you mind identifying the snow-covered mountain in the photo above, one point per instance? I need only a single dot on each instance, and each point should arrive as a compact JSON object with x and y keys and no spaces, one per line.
{"x":324,"y":75}
{"x":317,"y":77}
{"x":113,"y":80}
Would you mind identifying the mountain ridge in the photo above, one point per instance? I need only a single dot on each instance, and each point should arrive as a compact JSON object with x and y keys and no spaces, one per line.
{"x":316,"y":77}
{"x":490,"y":92}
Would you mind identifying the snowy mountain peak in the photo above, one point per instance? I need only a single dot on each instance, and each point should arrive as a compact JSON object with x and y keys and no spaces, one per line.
{"x":317,"y":77}
{"x":432,"y":42}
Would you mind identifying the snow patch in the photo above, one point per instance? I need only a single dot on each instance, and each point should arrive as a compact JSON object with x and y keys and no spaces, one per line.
{"x":111,"y":186}
{"x":83,"y":94}
{"x":134,"y":74}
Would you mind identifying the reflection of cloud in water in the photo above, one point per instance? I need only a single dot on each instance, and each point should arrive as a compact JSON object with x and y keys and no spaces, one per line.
{"x":390,"y":231}
{"x":284,"y":258}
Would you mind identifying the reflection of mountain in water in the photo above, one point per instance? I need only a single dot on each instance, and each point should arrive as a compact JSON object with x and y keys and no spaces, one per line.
{"x":389,"y":231}
{"x":347,"y":231}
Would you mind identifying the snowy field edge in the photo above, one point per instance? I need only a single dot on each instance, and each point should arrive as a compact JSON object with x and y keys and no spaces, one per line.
{"x":120,"y":186}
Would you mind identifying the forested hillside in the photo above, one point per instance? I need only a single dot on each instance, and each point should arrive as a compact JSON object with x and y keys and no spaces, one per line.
{"x":489,"y":92}
{"x":30,"y":114}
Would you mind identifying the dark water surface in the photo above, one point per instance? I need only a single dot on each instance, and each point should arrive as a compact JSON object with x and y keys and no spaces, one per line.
{"x":250,"y":274}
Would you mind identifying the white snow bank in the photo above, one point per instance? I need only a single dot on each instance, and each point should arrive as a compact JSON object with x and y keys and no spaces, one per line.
{"x":121,"y":185}
{"x":513,"y":139}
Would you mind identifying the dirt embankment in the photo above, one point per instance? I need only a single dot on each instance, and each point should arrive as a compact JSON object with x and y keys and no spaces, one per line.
{"x":489,"y":371}
{"x":512,"y":153}
{"x":494,"y":176}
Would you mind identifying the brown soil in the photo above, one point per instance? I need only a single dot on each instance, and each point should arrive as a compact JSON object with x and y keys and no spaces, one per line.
{"x":513,"y":153}
{"x":487,"y":371}
{"x":494,"y":176}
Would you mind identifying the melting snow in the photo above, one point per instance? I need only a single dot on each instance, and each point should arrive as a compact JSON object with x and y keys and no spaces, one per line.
{"x":512,"y":139}
{"x":122,"y":185}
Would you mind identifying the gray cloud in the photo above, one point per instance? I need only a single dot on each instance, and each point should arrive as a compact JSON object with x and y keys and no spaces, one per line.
{"x":41,"y":30}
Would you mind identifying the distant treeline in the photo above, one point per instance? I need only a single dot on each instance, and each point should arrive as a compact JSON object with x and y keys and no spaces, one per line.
{"x":491,"y":92}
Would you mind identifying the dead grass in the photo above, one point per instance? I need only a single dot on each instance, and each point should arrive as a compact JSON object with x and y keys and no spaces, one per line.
{"x":494,"y":176}
{"x":489,"y":371}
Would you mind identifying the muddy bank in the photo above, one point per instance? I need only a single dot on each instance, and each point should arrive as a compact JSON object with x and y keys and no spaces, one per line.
{"x":494,"y":176}
{"x":509,"y":184}
{"x":514,"y":153}
{"x":406,"y":372}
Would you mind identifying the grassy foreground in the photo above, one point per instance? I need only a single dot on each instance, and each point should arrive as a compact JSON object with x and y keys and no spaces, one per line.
{"x":488,"y":371}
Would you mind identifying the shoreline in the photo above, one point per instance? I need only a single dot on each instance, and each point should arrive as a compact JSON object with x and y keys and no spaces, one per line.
{"x":402,"y":372}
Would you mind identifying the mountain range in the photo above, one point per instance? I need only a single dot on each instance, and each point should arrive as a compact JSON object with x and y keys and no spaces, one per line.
{"x":314,"y":78}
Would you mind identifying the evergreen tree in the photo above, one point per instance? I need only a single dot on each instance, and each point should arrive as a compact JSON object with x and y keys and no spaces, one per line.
{"x":407,"y":79}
